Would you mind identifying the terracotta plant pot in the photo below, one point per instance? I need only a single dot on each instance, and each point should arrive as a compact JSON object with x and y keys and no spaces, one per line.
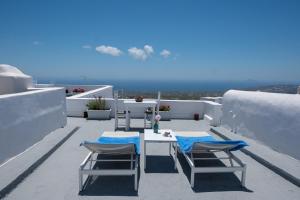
{"x":139,"y":99}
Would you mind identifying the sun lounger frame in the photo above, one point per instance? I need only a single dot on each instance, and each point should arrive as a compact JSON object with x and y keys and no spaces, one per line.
{"x":86,"y":167}
{"x":230,"y":156}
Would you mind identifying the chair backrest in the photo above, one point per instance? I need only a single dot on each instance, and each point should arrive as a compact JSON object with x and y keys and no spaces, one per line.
{"x":110,"y":148}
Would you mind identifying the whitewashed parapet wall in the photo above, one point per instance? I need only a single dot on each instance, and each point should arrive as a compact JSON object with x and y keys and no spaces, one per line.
{"x":271,"y":118}
{"x":76,"y":104}
{"x":12,"y":80}
{"x":103,"y":91}
{"x":212,"y":112}
{"x":69,"y":87}
{"x":27,"y":117}
{"x":180,"y":109}
{"x":90,"y":90}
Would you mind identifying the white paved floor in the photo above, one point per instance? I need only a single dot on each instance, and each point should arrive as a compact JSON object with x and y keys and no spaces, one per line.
{"x":57,"y":177}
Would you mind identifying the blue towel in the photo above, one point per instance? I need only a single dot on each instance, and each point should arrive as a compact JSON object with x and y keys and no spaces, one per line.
{"x":121,"y":140}
{"x":186,"y":143}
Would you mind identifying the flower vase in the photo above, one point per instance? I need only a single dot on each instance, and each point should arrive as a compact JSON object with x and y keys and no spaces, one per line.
{"x":155,"y":127}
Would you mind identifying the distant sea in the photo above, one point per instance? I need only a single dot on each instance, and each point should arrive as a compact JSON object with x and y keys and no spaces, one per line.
{"x":151,"y":86}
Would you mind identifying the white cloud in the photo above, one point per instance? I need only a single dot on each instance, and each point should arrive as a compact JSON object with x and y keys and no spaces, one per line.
{"x":86,"y":46}
{"x":148,"y":49}
{"x":165,"y":53}
{"x":138,"y":54}
{"x":141,"y":54}
{"x":113,"y":51}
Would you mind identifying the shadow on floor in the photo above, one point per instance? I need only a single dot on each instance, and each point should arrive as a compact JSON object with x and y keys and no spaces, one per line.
{"x":134,"y":129}
{"x":212,"y":182}
{"x":110,"y":185}
{"x":160,"y":164}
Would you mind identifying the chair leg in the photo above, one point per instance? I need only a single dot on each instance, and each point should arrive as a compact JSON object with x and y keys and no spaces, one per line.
{"x":116,"y":121}
{"x":80,"y":180}
{"x":135,"y":180}
{"x":192,"y":178}
{"x":136,"y":174}
{"x":230,"y":157}
{"x":145,"y":122}
{"x":244,"y":176}
{"x":231,"y":162}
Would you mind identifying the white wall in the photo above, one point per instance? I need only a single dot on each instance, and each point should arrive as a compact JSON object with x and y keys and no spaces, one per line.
{"x":104,"y":91}
{"x":27,"y":117}
{"x":273,"y":119}
{"x":76,"y":106}
{"x":90,"y":90}
{"x":180,"y":109}
{"x":214,"y":111}
{"x":12,"y":80}
{"x":214,"y":99}
{"x":70,"y":87}
{"x":184,"y":109}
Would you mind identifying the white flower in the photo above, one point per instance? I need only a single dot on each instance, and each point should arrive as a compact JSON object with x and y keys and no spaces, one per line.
{"x":157,"y":117}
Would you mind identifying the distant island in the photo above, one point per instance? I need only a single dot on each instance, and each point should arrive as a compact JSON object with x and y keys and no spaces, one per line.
{"x":283,"y":88}
{"x":181,"y":90}
{"x":196,"y":95}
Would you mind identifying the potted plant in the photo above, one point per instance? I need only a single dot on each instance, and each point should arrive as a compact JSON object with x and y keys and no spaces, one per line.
{"x":164,"y":111}
{"x":97,"y":109}
{"x":139,"y":99}
{"x":196,"y":116}
{"x":78,"y":90}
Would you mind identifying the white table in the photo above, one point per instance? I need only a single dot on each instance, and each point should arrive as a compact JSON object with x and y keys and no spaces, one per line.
{"x":151,"y":137}
{"x":133,"y":104}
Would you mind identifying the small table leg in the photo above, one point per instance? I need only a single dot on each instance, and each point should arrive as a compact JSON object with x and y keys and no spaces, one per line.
{"x":145,"y":156}
{"x":127,"y":120}
{"x":127,"y":116}
{"x":175,"y":165}
{"x":153,"y":115}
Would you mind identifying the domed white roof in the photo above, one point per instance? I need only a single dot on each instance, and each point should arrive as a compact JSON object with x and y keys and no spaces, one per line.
{"x":13,"y":80}
{"x":8,"y":70}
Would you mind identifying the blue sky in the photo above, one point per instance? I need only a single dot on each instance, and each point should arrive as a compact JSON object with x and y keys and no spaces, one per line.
{"x":178,"y":40}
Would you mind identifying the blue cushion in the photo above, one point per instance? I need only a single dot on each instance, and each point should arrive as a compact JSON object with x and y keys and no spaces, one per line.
{"x":186,"y":143}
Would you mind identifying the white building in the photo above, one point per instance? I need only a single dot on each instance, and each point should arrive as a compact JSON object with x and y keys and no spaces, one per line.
{"x":27,"y":114}
{"x":12,"y":80}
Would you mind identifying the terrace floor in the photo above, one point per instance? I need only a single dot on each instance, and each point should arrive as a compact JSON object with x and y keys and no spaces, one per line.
{"x":57,"y":176}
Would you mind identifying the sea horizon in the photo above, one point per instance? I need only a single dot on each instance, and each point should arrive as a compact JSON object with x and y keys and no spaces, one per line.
{"x":170,"y":85}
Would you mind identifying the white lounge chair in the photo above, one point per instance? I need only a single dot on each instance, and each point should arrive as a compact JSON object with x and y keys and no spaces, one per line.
{"x":112,"y":144}
{"x":194,"y":144}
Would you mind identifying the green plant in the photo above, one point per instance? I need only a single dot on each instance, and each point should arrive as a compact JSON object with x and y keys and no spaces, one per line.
{"x":164,"y":108}
{"x":97,"y":104}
